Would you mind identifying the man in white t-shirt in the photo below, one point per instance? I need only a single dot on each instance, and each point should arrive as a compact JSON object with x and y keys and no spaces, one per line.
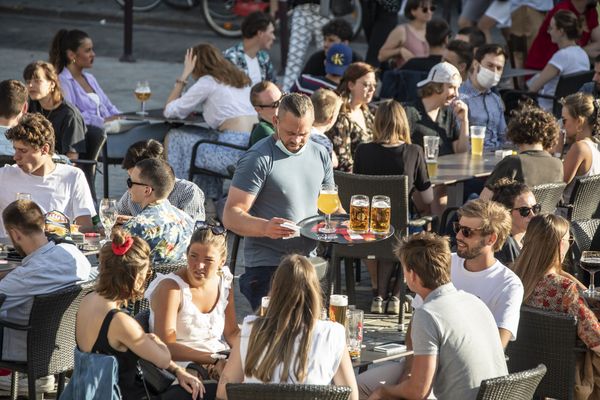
{"x":13,"y":104}
{"x":52,"y":186}
{"x":481,"y":230}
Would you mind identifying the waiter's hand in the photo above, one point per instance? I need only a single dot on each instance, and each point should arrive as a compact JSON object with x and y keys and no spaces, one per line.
{"x":274,"y":230}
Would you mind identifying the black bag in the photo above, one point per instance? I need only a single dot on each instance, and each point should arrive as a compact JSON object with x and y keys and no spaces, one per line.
{"x":390,"y":5}
{"x":156,"y":380}
{"x":341,"y":7}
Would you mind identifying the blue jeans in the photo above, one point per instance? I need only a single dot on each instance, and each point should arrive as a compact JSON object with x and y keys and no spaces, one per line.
{"x":255,"y":283}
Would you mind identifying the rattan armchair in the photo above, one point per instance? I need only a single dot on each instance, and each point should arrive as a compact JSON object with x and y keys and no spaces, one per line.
{"x":159,"y":268}
{"x":585,"y":233}
{"x":585,"y":201}
{"x":517,"y":386}
{"x":50,"y":337}
{"x":260,"y":391}
{"x":548,"y":195}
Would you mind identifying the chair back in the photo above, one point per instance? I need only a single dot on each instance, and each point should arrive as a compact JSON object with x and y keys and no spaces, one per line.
{"x":586,"y":234}
{"x":517,"y":386}
{"x":143,"y":318}
{"x":550,"y":338}
{"x":548,"y":195}
{"x":585,"y":202}
{"x":158,"y":268}
{"x":401,"y":85}
{"x":277,"y":391}
{"x":51,"y":339}
{"x":569,"y":84}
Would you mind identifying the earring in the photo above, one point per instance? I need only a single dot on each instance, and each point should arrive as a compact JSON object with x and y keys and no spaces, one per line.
{"x":73,"y":61}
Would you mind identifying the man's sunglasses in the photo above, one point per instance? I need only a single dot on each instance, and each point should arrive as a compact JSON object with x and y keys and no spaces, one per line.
{"x":274,"y":104}
{"x":215,"y":229}
{"x":525,"y":211}
{"x":431,"y":8}
{"x":465,"y":230}
{"x":130,"y":183}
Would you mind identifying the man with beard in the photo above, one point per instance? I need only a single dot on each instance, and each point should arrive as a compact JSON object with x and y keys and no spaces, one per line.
{"x":481,"y":230}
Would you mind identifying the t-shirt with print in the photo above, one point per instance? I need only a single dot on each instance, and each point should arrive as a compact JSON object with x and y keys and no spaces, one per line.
{"x":445,"y":126}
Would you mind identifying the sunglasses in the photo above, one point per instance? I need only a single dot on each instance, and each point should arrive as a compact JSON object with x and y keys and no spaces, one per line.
{"x":274,"y":104}
{"x":525,"y":211}
{"x":465,"y":230}
{"x":215,"y":229}
{"x":430,"y":8}
{"x":130,"y":183}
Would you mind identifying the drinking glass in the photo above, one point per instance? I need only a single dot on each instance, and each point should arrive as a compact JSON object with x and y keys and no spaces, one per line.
{"x":264,"y":304}
{"x":23,"y":196}
{"x":431,"y":145}
{"x":359,"y":213}
{"x":338,"y":308}
{"x":590,"y":261}
{"x":143,"y":93}
{"x":354,"y":335}
{"x":328,"y":203}
{"x":108,"y":216}
{"x":477,"y":137}
{"x":380,"y":214}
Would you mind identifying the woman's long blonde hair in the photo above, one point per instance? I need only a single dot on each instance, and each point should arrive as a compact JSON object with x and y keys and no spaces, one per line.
{"x":294,"y":308}
{"x":541,"y":250}
{"x":391,"y":124}
{"x":210,"y":61}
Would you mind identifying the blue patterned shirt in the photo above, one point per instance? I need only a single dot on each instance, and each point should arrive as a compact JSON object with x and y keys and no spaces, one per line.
{"x":485,"y":109}
{"x":236,"y":54}
{"x":165,"y":228}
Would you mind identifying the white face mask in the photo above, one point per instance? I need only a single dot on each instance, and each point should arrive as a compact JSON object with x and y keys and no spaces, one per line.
{"x":282,"y":147}
{"x":487,"y":78}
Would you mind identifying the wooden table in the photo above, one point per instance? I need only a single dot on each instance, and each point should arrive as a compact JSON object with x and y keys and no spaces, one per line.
{"x":156,"y":115}
{"x":369,"y":357}
{"x":455,"y":169}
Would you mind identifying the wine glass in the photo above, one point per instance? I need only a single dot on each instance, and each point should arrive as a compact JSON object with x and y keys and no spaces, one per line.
{"x":108,"y":216}
{"x":328,"y":203}
{"x":143,"y":93}
{"x":590,"y":261}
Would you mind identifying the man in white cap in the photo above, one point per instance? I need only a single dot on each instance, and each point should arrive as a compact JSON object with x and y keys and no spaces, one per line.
{"x":438,"y":112}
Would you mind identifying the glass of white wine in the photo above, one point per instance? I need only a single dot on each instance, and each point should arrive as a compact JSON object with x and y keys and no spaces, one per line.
{"x":108,"y":216}
{"x":143,"y":93}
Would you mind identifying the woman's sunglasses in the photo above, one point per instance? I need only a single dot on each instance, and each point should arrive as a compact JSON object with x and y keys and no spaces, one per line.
{"x":525,"y":211}
{"x":465,"y":230}
{"x":431,"y":8}
{"x":215,"y":229}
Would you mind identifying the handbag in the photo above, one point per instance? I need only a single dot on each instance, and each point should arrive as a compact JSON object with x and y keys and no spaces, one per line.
{"x":156,"y":380}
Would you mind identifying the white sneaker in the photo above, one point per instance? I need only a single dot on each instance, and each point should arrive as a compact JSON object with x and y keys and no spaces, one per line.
{"x":377,"y":305}
{"x":43,"y":385}
{"x":393,"y":305}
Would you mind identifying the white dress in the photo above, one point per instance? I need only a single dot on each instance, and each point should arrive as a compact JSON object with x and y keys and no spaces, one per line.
{"x":594,"y":169}
{"x":327,"y":347}
{"x":195,"y":329}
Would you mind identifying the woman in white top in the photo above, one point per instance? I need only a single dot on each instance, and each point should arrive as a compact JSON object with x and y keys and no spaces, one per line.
{"x":564,"y":30}
{"x":290,"y":344}
{"x":192,"y":309}
{"x":222,"y":92}
{"x":580,"y":120}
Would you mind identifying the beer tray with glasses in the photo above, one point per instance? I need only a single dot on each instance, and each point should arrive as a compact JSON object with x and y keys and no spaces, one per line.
{"x":309,"y":228}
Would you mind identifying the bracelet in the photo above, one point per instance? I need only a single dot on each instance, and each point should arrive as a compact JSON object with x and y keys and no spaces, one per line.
{"x":180,"y":81}
{"x":176,"y":369}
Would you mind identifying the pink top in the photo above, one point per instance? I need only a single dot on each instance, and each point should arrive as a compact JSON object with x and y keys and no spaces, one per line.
{"x":420,"y":48}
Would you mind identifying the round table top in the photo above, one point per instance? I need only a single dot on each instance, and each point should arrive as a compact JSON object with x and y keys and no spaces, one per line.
{"x":309,"y":228}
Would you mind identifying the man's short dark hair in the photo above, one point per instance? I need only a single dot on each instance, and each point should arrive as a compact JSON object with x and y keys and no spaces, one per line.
{"x":491,"y":48}
{"x":255,"y":22}
{"x":25,"y":216}
{"x":158,"y":174}
{"x":476,"y":35}
{"x":436,"y":32}
{"x":299,"y":105}
{"x":338,"y":27}
{"x":13,"y":96}
{"x":142,"y":150}
{"x":463,"y":50}
{"x":34,"y":130}
{"x":256,"y":90}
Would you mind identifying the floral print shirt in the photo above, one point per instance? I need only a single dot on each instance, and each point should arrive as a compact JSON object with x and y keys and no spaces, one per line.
{"x":346,"y":135}
{"x":236,"y":54}
{"x":558,"y":293}
{"x":165,"y":228}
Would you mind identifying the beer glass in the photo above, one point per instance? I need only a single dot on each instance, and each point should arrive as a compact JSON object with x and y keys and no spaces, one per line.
{"x":264,"y":304}
{"x":477,"y":138}
{"x":142,"y":93}
{"x":354,"y":334}
{"x":23,"y":196}
{"x":359,"y":213}
{"x":328,"y":203}
{"x":431,"y":145}
{"x":108,"y":216}
{"x":380,"y":214}
{"x":338,"y":308}
{"x":590,"y":261}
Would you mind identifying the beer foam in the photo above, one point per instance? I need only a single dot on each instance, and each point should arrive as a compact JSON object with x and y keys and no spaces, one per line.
{"x":380,"y":204}
{"x":360,"y":203}
{"x":339,"y":300}
{"x":328,"y":192}
{"x":264,"y":302}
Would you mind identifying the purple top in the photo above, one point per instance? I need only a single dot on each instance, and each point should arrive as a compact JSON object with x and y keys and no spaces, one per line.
{"x":74,"y":94}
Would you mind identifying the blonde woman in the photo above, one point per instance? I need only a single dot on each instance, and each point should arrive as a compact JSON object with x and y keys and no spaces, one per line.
{"x":290,"y":344}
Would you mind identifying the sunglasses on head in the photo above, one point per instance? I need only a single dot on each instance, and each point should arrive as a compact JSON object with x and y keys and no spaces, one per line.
{"x":465,"y":230}
{"x":215,"y":229}
{"x":525,"y":211}
{"x":430,"y":8}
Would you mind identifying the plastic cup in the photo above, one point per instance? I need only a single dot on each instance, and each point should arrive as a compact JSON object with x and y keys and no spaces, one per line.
{"x":477,"y":139}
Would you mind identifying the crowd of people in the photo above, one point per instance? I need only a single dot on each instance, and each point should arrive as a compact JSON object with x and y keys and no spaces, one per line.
{"x":280,"y":148}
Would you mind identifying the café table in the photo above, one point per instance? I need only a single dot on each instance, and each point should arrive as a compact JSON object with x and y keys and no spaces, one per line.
{"x":156,"y":115}
{"x":370,"y":357}
{"x":455,"y":169}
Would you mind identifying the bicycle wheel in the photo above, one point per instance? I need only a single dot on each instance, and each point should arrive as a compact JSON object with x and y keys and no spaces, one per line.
{"x":182,"y":4}
{"x":225,"y":16}
{"x":141,"y":5}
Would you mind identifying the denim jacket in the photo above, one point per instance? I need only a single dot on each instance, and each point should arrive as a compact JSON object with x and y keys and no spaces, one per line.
{"x":95,"y":377}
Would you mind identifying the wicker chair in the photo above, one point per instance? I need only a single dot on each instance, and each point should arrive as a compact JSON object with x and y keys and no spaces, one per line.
{"x":585,"y":233}
{"x":548,"y":195}
{"x":143,"y":318}
{"x":50,"y":337}
{"x":262,"y":391}
{"x":164,"y":269}
{"x":550,"y":338}
{"x":517,"y":386}
{"x":584,"y":202}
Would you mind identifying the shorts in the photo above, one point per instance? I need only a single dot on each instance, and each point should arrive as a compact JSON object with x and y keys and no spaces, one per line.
{"x":499,"y":11}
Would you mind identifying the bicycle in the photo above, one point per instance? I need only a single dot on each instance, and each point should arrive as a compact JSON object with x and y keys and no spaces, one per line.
{"x":148,"y":5}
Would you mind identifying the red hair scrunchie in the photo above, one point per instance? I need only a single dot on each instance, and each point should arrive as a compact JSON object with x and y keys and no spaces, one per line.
{"x":120,"y":249}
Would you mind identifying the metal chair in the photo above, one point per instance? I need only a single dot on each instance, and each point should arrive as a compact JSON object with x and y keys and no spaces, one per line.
{"x":550,"y":338}
{"x":517,"y":386}
{"x":584,"y":202}
{"x":269,"y":391}
{"x":548,"y":195}
{"x":586,"y":234}
{"x":50,"y":338}
{"x":195,"y":170}
{"x":164,"y":268}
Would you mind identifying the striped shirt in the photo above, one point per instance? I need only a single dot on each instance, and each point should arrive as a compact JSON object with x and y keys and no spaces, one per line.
{"x":307,"y":84}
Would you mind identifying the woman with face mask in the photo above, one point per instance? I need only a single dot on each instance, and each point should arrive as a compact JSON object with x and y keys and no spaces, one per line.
{"x":485,"y":106}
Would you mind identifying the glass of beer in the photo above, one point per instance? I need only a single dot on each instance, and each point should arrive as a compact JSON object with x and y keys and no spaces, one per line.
{"x":477,"y":138}
{"x":264,"y":304}
{"x":431,"y":145}
{"x":23,"y":196}
{"x":380,"y":214}
{"x":143,"y":93}
{"x":338,"y":308}
{"x":590,"y":261}
{"x":359,"y":213}
{"x":354,"y":335}
{"x":328,"y":203}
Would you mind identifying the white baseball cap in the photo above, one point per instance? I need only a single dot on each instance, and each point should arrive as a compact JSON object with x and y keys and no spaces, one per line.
{"x":443,"y":72}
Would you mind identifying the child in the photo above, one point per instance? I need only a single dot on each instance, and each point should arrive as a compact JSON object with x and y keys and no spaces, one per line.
{"x":327,"y":107}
